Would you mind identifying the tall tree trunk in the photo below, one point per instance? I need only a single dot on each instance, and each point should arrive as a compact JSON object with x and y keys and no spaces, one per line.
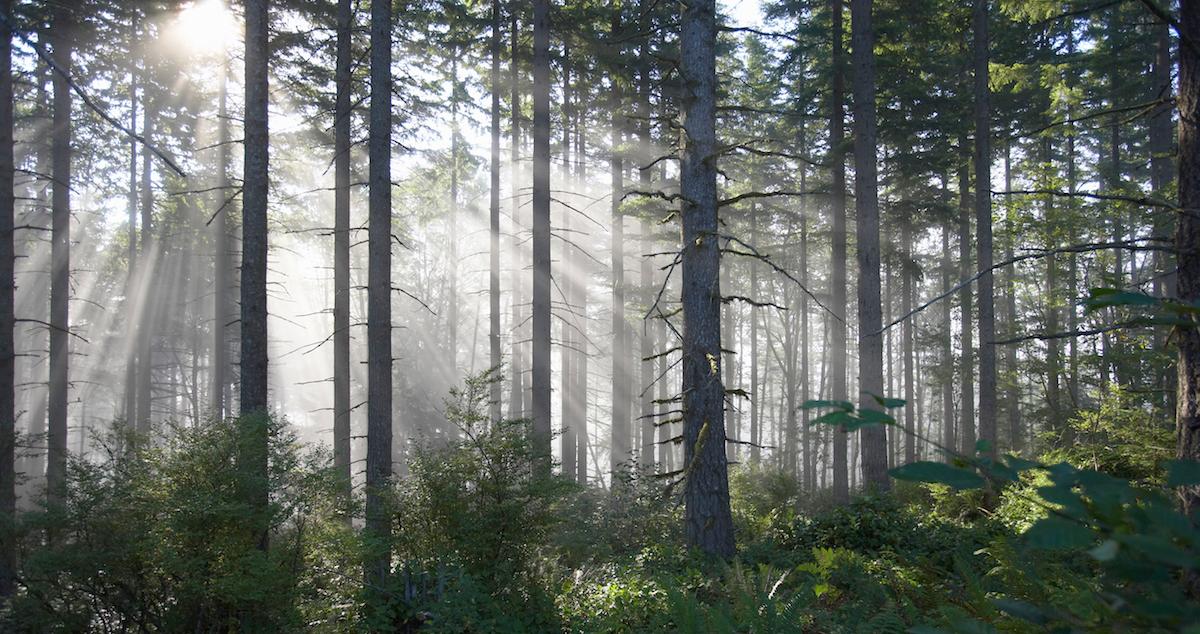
{"x":130,"y":400}
{"x":870,"y":341}
{"x":452,"y":250}
{"x":147,"y":322}
{"x":516,"y":406}
{"x":254,"y":405}
{"x":906,"y":335}
{"x":494,"y":355}
{"x":341,"y":251}
{"x":966,"y":423}
{"x":837,"y":282}
{"x":644,"y":165}
{"x":755,"y":423}
{"x":377,"y":568}
{"x":1013,"y":391}
{"x":983,"y":229}
{"x":567,"y":324}
{"x":709,"y":523}
{"x":1053,"y":347}
{"x":222,"y":256}
{"x":1160,"y":182}
{"x":1072,"y":276}
{"x":8,"y":406}
{"x":1187,"y":244}
{"x":61,"y":42}
{"x":948,"y":439}
{"x":541,"y":235}
{"x":619,"y":450}
{"x":806,"y":438}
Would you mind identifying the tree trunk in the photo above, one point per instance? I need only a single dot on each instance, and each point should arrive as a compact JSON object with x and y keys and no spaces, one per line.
{"x":147,"y":322}
{"x":516,"y":406}
{"x":541,"y":235}
{"x":377,"y":568}
{"x":569,"y":321}
{"x":837,"y":282}
{"x":61,"y":42}
{"x":494,"y":355}
{"x":870,"y":341}
{"x":619,"y":450}
{"x":1013,"y":391}
{"x":644,"y":160}
{"x":131,"y":305}
{"x":983,"y":230}
{"x":1053,"y":347}
{"x":1160,"y":182}
{"x":1187,"y":244}
{"x":948,"y":439}
{"x":906,"y":336}
{"x":8,"y":413}
{"x":341,"y":251}
{"x":709,"y":523}
{"x":966,"y":423}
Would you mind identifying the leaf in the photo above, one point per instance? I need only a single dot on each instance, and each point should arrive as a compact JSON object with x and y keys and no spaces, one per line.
{"x":1021,"y":610}
{"x":889,"y":403}
{"x":1020,"y":464}
{"x":1182,"y":473}
{"x":834,"y":418}
{"x":872,"y":417}
{"x":1056,"y":533}
{"x":842,"y":405}
{"x":1105,"y":297}
{"x":983,"y":446}
{"x":938,"y":473}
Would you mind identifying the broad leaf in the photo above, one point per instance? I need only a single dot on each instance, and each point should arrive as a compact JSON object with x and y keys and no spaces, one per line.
{"x":938,"y":473}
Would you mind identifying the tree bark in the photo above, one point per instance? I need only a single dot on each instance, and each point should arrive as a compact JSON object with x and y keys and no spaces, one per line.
{"x":709,"y":523}
{"x":8,"y":413}
{"x":838,"y":284}
{"x":620,"y":450}
{"x":966,"y":423}
{"x":906,"y":336}
{"x":495,"y":359}
{"x":948,"y":439}
{"x":541,"y":235}
{"x":870,"y":342}
{"x":61,"y":43}
{"x":377,"y":568}
{"x":516,"y":406}
{"x":130,"y":400}
{"x":983,"y":230}
{"x":1187,"y":244}
{"x":341,"y":251}
{"x":1013,"y":391}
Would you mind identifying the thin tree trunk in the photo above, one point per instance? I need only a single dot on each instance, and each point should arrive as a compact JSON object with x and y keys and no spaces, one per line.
{"x":1013,"y":395}
{"x":148,"y":311}
{"x":948,"y":439}
{"x":709,"y":523}
{"x":130,"y":401}
{"x":341,"y":252}
{"x":966,"y":423}
{"x":61,"y":42}
{"x":494,"y":357}
{"x":756,"y":436}
{"x":1053,"y":347}
{"x":377,"y":567}
{"x":452,"y":250}
{"x":870,"y":342}
{"x":516,"y":407}
{"x":1160,"y":177}
{"x":983,"y":230}
{"x":906,"y":335}
{"x":838,"y":284}
{"x":647,"y":274}
{"x":8,"y":413}
{"x":541,"y":236}
{"x":619,"y":450}
{"x":568,"y":324}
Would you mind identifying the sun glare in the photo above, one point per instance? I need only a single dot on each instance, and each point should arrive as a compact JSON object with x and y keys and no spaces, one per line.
{"x":204,"y":27}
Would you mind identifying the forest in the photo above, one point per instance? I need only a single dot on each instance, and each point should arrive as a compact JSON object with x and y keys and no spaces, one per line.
{"x":600,"y":316}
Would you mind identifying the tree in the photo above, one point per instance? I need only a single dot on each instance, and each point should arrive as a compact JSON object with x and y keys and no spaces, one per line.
{"x":620,"y":449}
{"x":983,"y":228}
{"x":494,"y":221}
{"x":61,"y":43}
{"x":1187,"y":245}
{"x":341,"y":249}
{"x":709,"y":522}
{"x":377,"y":568}
{"x":837,"y":251}
{"x":541,"y":235}
{"x":8,"y":405}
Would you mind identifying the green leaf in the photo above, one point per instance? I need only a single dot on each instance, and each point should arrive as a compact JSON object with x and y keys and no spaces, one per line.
{"x":1105,"y":297}
{"x":889,"y":403}
{"x":834,"y":418}
{"x":1183,"y":473}
{"x":938,"y":473}
{"x":1056,"y":533}
{"x":1020,"y":464}
{"x":983,"y":446}
{"x":842,"y":405}
{"x":872,"y":417}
